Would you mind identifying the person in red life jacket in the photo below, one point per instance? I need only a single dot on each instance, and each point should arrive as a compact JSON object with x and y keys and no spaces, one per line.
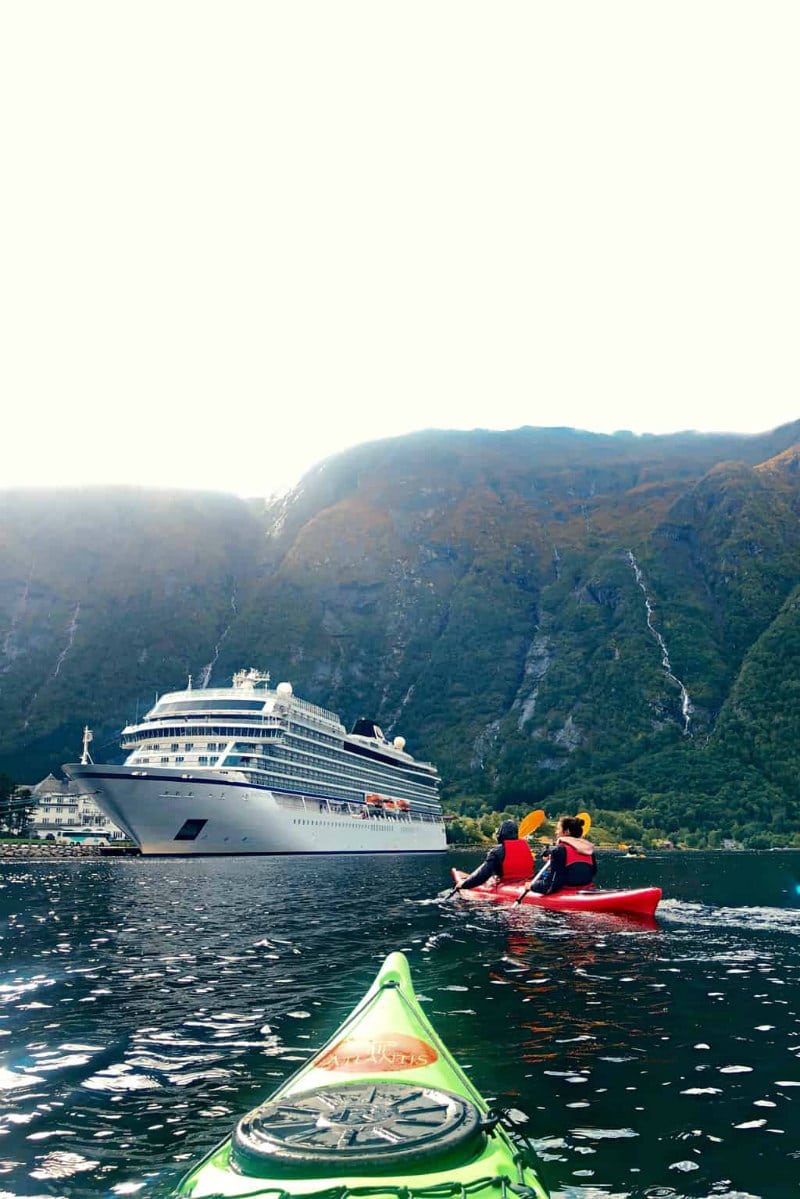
{"x":570,"y":862}
{"x":510,"y":860}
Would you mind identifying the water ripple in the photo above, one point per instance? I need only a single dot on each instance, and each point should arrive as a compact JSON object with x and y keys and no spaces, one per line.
{"x":146,"y":1005}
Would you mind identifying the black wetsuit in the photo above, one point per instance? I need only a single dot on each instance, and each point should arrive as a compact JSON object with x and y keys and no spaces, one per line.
{"x":492,"y":866}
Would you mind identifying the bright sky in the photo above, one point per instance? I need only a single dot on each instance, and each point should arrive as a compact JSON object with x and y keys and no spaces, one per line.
{"x":239,"y":237}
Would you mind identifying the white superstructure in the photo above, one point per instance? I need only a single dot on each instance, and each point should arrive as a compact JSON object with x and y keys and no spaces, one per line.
{"x":250,"y":769}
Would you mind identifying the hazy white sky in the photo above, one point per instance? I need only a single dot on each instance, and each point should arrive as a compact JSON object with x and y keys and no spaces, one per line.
{"x":239,"y":237}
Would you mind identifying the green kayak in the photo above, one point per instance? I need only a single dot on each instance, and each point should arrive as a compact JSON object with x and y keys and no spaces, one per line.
{"x":382,"y":1110}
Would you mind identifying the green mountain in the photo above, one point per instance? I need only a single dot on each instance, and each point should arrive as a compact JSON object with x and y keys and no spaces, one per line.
{"x":555,"y":618}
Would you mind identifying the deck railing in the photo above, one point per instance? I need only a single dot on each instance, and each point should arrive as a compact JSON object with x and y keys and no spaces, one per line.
{"x":359,"y":811}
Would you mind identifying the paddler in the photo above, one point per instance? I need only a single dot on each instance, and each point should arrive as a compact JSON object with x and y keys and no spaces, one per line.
{"x":570,"y":862}
{"x":510,"y":860}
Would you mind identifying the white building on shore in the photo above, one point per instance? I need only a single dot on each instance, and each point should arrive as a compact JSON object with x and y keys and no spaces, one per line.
{"x":62,"y":813}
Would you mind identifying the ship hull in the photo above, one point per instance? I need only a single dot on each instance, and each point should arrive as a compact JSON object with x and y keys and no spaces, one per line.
{"x":170,"y":813}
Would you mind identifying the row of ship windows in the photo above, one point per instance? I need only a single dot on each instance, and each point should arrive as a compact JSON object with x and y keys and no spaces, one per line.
{"x":316,"y":782}
{"x":425,"y":804}
{"x":298,"y":730}
{"x":286,"y":771}
{"x":242,"y":747}
{"x":253,"y":747}
{"x":232,"y":731}
{"x":370,"y":824}
{"x":311,"y":728}
{"x":392,"y":784}
{"x":203,"y":731}
{"x":165,"y":759}
{"x":283,"y":755}
{"x":348,"y":769}
{"x":174,"y":747}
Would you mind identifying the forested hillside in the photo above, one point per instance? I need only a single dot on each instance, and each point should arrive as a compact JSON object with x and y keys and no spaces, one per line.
{"x":555,"y":618}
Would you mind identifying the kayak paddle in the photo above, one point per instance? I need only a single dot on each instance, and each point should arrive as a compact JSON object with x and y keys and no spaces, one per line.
{"x":531,"y":822}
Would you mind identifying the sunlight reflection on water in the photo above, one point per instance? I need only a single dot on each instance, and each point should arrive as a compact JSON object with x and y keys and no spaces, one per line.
{"x":146,"y":1004}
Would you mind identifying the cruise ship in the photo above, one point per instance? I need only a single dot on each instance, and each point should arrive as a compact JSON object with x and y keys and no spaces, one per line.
{"x":250,"y":769}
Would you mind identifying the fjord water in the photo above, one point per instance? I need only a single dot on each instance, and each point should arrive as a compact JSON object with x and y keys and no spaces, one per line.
{"x":146,"y":1004}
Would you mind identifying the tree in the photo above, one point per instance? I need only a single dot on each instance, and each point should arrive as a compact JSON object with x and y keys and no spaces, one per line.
{"x":16,"y":805}
{"x":463,"y":830}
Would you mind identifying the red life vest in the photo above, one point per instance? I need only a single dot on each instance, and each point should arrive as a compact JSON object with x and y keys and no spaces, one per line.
{"x":517,"y":861}
{"x":585,"y":867}
{"x":573,"y":855}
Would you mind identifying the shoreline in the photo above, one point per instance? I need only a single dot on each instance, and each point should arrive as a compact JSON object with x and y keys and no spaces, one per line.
{"x":59,"y":851}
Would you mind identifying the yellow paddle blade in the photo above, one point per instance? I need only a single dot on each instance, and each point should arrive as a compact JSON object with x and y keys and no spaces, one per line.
{"x":531,"y":822}
{"x":587,"y":821}
{"x":622,"y":846}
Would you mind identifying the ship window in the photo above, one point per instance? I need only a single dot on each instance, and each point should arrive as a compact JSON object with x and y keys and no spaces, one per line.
{"x":174,"y":747}
{"x":203,"y":760}
{"x":188,"y":745}
{"x":164,"y":760}
{"x":206,"y":705}
{"x":189,"y":830}
{"x":179,"y":758}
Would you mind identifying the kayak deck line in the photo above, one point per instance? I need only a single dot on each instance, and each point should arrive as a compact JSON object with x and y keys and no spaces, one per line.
{"x":500,"y":1185}
{"x":382,"y":1109}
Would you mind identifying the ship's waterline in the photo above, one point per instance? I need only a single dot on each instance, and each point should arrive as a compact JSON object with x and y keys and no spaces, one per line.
{"x":250,"y":770}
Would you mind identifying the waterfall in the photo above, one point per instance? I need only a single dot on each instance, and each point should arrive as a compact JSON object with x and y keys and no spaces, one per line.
{"x":72,"y":629}
{"x":537,"y":663}
{"x":205,"y":672}
{"x":686,"y":703}
{"x":20,"y":608}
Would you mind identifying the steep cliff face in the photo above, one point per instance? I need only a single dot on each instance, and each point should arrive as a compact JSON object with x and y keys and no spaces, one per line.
{"x":529,"y":609}
{"x":105,"y":597}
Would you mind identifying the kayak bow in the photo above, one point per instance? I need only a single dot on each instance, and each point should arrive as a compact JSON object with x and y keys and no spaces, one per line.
{"x":640,"y":902}
{"x":382,"y":1110}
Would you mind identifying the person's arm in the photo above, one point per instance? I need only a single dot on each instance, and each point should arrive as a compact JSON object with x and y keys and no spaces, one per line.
{"x":557,"y":864}
{"x":493,"y":864}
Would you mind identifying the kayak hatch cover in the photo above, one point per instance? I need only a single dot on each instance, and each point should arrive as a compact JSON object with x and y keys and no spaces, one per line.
{"x":382,"y":1110}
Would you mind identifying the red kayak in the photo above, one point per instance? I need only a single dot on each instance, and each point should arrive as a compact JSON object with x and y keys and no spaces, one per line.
{"x":641,"y":902}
